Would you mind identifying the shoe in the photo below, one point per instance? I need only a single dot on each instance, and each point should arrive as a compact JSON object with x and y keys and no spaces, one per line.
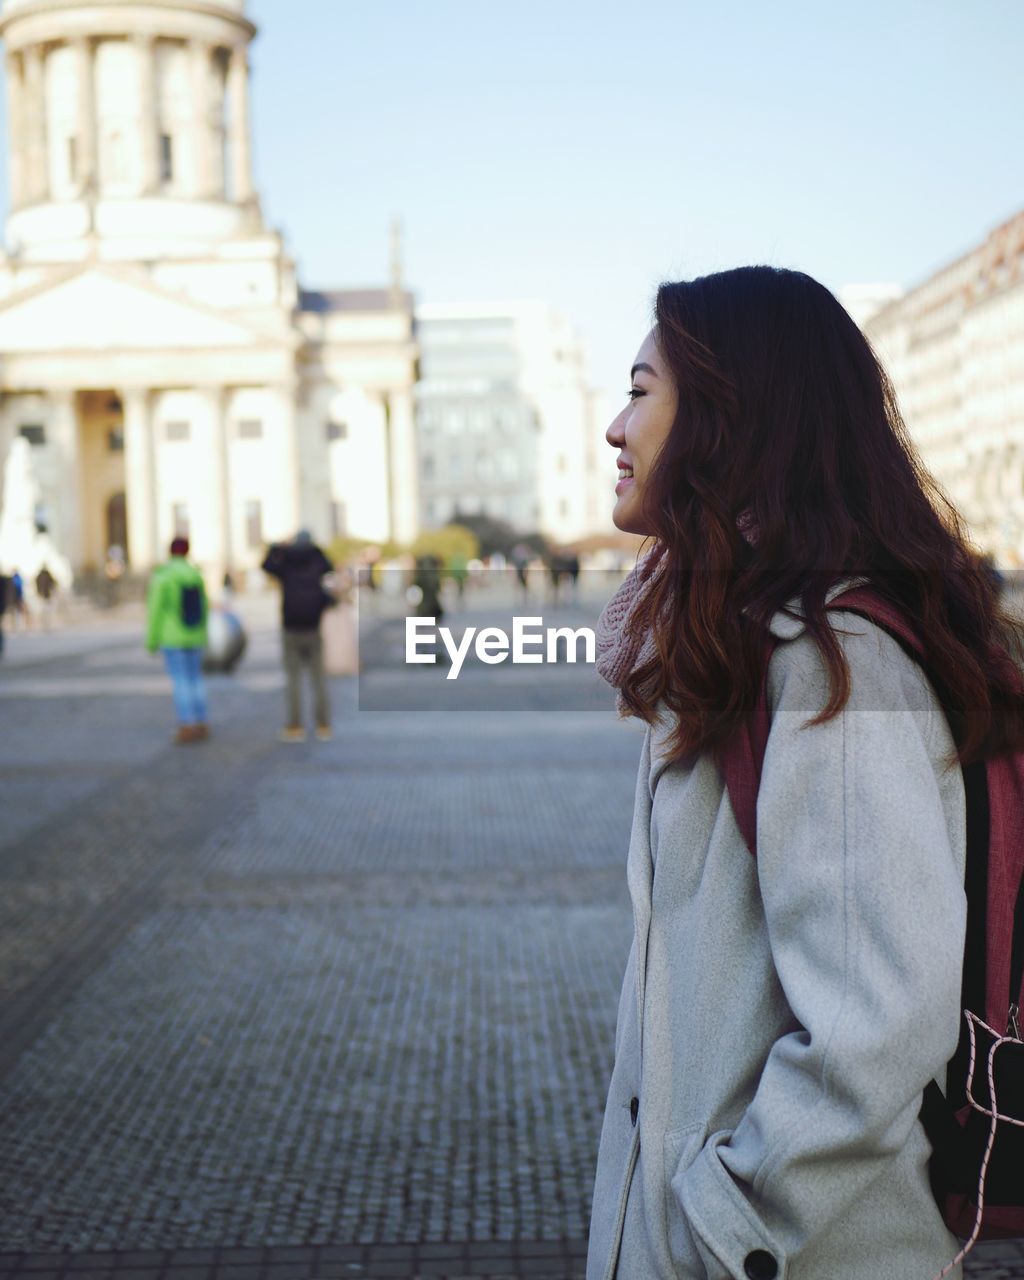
{"x":186,"y":733}
{"x":295,"y":733}
{"x":201,"y":732}
{"x":323,"y":732}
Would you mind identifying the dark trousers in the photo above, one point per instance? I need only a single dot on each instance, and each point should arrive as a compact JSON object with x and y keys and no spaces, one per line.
{"x":305,"y":649}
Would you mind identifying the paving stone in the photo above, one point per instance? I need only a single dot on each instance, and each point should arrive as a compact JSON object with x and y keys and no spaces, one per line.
{"x":339,"y":1011}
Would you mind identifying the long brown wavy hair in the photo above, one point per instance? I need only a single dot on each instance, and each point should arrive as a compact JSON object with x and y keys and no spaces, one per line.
{"x":786,"y":415}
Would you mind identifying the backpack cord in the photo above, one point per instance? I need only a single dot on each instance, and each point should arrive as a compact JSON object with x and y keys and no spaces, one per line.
{"x":994,"y":1116}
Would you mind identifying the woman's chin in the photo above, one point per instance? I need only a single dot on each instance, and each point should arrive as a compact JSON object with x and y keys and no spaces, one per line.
{"x":625,"y":518}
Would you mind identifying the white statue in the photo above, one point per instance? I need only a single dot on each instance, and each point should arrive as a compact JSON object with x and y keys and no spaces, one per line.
{"x":23,"y":545}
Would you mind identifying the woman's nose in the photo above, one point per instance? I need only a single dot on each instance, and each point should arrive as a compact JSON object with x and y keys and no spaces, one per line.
{"x":615,"y":435}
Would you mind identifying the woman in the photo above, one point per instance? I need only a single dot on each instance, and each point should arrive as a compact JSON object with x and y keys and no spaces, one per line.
{"x":780,"y":1017}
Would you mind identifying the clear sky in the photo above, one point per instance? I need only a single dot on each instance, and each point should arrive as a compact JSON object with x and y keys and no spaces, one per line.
{"x":580,"y":151}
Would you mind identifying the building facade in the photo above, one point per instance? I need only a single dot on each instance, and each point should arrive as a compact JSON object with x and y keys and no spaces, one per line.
{"x":954,"y":346}
{"x":506,"y":424}
{"x":156,"y":349}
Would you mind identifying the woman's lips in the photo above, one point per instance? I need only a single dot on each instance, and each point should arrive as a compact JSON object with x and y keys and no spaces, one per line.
{"x":621,"y":486}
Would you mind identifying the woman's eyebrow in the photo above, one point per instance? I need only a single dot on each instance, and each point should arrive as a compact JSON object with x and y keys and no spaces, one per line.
{"x":642,"y":368}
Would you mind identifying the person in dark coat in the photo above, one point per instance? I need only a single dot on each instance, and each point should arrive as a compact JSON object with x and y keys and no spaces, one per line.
{"x":300,"y":566}
{"x":428,"y":579}
{"x":5,"y":590}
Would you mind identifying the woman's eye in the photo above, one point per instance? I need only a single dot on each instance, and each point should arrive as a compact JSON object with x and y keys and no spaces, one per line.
{"x":634,"y":392}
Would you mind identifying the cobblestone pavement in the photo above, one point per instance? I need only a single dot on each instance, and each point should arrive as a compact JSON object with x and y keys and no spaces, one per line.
{"x":273,"y":1012}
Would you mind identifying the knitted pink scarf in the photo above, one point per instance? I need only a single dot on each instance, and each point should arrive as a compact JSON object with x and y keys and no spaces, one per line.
{"x":617,"y":652}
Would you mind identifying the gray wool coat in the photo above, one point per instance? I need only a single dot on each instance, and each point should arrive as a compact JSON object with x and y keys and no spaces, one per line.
{"x":779,"y":1018}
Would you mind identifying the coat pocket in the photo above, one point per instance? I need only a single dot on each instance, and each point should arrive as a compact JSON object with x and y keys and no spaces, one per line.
{"x":681,"y":1148}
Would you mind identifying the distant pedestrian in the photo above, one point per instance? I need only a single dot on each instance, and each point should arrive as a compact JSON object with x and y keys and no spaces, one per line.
{"x":427,"y":579}
{"x":558,"y":572}
{"x":177,"y":613}
{"x":301,"y":567}
{"x":520,"y":557}
{"x":573,"y":569}
{"x":456,"y":569}
{"x":5,"y":592}
{"x":18,"y":599}
{"x":46,"y":591}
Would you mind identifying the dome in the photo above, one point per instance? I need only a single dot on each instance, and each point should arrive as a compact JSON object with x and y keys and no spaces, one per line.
{"x":14,"y":8}
{"x":130,"y":124}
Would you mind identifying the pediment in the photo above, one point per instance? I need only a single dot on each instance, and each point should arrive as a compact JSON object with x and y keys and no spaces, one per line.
{"x":98,"y":309}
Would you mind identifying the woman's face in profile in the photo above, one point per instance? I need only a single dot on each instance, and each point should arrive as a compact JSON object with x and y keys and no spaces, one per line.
{"x":639,"y":431}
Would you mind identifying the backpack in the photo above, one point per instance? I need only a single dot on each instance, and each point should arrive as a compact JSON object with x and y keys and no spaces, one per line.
{"x":191,"y":604}
{"x":977,"y":1165}
{"x":304,"y":596}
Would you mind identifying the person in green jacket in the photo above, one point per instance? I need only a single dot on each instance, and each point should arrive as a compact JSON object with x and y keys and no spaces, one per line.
{"x":177,"y":610}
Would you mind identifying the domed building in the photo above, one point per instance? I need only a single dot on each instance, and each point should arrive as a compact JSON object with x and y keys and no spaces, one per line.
{"x":155,"y":347}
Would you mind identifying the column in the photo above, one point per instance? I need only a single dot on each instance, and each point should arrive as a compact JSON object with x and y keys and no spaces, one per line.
{"x":16,"y":130}
{"x":140,"y":479}
{"x":87,"y":174}
{"x":149,"y":125}
{"x":216,"y":398}
{"x":402,"y":478}
{"x":38,"y":180}
{"x":201,"y":55}
{"x":238,"y":99}
{"x":290,"y":482}
{"x":64,"y":420}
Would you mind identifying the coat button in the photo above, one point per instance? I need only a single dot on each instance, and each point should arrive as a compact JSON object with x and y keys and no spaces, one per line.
{"x":760,"y":1265}
{"x":634,"y":1110}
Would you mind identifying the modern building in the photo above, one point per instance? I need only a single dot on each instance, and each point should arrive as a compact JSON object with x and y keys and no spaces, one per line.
{"x":506,"y":423}
{"x":863,"y":301}
{"x":156,"y":349}
{"x":954,"y":346}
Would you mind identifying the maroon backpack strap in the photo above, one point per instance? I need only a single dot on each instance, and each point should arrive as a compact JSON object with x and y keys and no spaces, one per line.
{"x":870,"y":605}
{"x":741,"y":759}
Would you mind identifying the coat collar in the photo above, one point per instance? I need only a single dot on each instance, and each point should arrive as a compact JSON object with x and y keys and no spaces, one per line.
{"x":788,"y":622}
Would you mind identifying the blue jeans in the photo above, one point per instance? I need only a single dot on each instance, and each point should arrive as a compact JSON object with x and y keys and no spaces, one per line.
{"x":185,"y":668}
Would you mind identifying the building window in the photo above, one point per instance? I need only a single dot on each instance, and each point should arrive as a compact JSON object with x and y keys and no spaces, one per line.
{"x":166,"y":158}
{"x":563,"y":507}
{"x":254,"y":524}
{"x":428,"y":466}
{"x":34,"y":433}
{"x":180,"y":520}
{"x":250,"y":429}
{"x":337,"y":431}
{"x":339,"y":520}
{"x":73,"y":158}
{"x":176,"y":430}
{"x":115,"y":440}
